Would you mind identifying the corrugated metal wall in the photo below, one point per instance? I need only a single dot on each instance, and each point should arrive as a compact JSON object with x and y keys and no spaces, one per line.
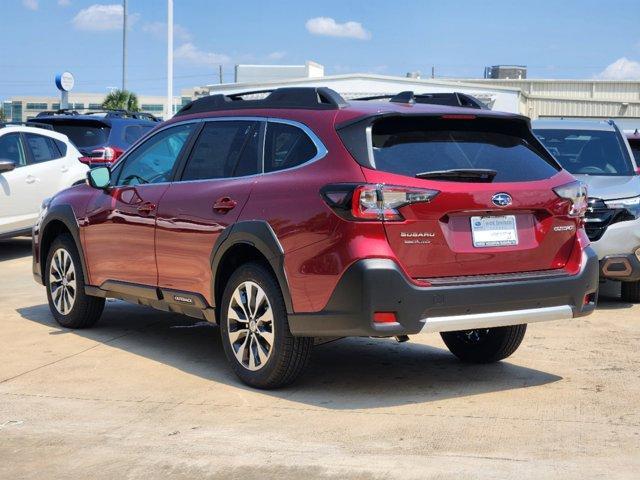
{"x":575,"y":98}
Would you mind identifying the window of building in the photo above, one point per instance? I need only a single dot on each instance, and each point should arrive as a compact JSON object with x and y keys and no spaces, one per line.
{"x":36,"y":106}
{"x":152,"y":107}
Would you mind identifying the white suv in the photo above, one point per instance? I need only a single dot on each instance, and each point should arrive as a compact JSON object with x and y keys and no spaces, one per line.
{"x":35,"y":163}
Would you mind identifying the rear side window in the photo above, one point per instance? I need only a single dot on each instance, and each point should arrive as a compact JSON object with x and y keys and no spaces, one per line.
{"x":134,"y":132}
{"x":62,"y":147}
{"x":42,"y":148}
{"x":84,"y":135}
{"x":286,"y":146}
{"x":410,"y":147}
{"x":224,"y":149}
{"x":635,"y":148}
{"x":590,"y":152}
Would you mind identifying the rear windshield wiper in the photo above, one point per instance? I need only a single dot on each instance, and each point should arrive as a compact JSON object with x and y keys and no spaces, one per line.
{"x":480,"y":175}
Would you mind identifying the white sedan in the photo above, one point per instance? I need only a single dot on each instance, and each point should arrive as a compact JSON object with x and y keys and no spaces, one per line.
{"x":35,"y":163}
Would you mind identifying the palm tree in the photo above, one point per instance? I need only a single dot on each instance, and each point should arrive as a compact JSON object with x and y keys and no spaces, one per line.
{"x":121,"y":100}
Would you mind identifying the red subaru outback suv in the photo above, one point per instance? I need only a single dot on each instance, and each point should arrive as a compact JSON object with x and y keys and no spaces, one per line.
{"x":302,"y":216}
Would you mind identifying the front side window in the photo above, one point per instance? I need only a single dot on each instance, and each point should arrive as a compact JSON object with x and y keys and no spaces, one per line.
{"x":154,"y":159}
{"x":42,"y":148}
{"x":11,"y":149}
{"x":224,"y":149}
{"x":286,"y":146}
{"x":587,"y":152}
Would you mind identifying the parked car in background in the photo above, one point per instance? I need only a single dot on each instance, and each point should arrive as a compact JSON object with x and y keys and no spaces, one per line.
{"x":302,"y":215}
{"x":598,"y":154}
{"x":35,"y":163}
{"x":633,"y":137}
{"x":101,"y":136}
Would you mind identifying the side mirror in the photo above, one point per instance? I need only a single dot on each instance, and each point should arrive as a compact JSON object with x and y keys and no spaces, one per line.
{"x":6,"y":165}
{"x":99,"y":177}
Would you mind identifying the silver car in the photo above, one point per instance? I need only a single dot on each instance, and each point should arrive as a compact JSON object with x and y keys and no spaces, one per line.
{"x":598,"y":153}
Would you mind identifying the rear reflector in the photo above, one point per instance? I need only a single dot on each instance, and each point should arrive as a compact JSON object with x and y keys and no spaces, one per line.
{"x":384,"y":317}
{"x":458,"y":117}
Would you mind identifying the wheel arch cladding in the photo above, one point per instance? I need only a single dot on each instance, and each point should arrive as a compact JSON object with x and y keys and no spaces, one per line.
{"x":59,"y":220}
{"x":252,"y":240}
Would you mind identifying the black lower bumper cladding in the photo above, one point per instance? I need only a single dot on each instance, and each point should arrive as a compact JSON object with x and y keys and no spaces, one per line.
{"x":379,"y":285}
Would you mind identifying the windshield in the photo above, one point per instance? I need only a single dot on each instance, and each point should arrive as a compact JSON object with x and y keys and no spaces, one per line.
{"x":410,"y":148}
{"x":587,"y":152}
{"x":83,"y":135}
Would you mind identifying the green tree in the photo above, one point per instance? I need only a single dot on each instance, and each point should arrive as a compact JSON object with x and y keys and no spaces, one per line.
{"x":121,"y":100}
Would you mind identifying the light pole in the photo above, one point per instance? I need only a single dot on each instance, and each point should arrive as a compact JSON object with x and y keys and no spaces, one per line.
{"x":169,"y":106}
{"x":124,"y":44}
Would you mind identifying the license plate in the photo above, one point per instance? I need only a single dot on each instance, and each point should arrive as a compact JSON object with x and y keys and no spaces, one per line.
{"x":494,"y":231}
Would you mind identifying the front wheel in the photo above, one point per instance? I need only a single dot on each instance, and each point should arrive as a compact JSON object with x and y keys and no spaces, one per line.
{"x":485,"y":345}
{"x":255,"y":331}
{"x":68,"y":302}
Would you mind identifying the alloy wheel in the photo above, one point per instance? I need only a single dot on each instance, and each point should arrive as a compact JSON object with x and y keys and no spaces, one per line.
{"x":62,"y":281}
{"x":250,"y":325}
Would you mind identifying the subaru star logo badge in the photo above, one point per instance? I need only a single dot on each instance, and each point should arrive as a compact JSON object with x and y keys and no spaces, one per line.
{"x":501,"y":199}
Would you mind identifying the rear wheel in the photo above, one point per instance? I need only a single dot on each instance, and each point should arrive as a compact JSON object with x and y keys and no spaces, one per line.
{"x":630,"y":292}
{"x":69,"y":304}
{"x":484,"y":345}
{"x":255,"y":330}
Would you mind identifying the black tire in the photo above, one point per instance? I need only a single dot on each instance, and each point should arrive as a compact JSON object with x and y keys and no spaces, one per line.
{"x":484,"y":345}
{"x":85,"y":310}
{"x":288,"y":355}
{"x":630,"y":292}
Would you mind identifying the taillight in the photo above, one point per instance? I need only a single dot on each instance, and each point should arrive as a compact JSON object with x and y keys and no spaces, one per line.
{"x":373,"y":202}
{"x":576,"y":193}
{"x":102,"y":155}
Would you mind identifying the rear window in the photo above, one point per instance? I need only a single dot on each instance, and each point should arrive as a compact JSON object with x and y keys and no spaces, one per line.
{"x":134,"y":132}
{"x":409,"y":147}
{"x":587,"y":152}
{"x":84,"y":135}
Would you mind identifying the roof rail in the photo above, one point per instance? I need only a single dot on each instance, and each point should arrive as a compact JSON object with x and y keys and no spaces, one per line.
{"x":453,"y":99}
{"x":62,"y":111}
{"x":108,"y":114}
{"x":125,"y":114}
{"x":27,"y":124}
{"x":312,"y":98}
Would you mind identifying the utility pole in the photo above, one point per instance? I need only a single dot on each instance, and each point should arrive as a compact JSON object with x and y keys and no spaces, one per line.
{"x":124,"y":44}
{"x":220,"y":73}
{"x":169,"y":60}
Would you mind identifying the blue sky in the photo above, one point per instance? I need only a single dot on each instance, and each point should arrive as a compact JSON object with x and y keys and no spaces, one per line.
{"x":555,"y":39}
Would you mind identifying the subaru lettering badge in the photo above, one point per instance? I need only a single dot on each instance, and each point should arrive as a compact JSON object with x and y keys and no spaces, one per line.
{"x":501,"y":199}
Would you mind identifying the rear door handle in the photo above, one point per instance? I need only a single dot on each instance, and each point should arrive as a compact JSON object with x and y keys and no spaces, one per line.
{"x":146,"y":208}
{"x":224,"y":204}
{"x":30,"y":179}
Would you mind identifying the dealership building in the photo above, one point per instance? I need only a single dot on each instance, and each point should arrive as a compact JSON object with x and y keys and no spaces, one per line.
{"x":535,"y":98}
{"x":23,"y":108}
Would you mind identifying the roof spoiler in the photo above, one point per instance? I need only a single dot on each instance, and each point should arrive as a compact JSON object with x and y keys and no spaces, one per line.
{"x":453,"y":99}
{"x":312,"y":98}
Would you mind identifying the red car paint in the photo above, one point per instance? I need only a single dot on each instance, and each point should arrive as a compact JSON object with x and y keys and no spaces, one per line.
{"x":163,"y":234}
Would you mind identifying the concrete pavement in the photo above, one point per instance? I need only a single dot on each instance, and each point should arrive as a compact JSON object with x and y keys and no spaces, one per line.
{"x":147,"y":394}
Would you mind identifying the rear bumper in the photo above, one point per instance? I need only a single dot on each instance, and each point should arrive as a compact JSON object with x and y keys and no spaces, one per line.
{"x":378,"y":285}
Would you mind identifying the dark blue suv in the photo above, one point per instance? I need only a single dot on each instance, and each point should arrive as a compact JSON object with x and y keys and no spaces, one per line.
{"x":100,"y":136}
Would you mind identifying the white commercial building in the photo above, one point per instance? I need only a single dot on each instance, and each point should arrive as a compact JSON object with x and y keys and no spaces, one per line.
{"x":365,"y":85}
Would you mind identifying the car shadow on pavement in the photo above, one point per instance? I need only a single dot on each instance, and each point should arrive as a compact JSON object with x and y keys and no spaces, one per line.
{"x":352,"y":373}
{"x":13,"y":248}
